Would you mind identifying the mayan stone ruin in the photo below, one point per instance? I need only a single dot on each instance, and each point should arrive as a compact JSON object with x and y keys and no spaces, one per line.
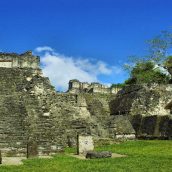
{"x":75,"y":86}
{"x":38,"y":120}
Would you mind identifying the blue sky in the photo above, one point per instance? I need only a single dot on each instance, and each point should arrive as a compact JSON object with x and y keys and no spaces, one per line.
{"x":90,"y":37}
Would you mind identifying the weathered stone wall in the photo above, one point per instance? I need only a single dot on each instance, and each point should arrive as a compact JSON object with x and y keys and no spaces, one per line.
{"x":142,"y":99}
{"x":32,"y":112}
{"x":26,"y":60}
{"x":12,"y":127}
{"x":75,"y":86}
{"x":151,"y":127}
{"x":12,"y":112}
{"x":145,"y":107}
{"x":107,"y":126}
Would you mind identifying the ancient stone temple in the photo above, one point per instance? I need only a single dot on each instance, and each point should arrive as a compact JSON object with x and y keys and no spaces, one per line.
{"x":148,"y":107}
{"x":37,"y":120}
{"x":75,"y":86}
{"x":12,"y":60}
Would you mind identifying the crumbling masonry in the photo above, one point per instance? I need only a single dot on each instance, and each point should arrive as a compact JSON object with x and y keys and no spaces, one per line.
{"x":36,"y":120}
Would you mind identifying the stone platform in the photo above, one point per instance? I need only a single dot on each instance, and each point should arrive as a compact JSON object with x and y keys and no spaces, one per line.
{"x":82,"y":157}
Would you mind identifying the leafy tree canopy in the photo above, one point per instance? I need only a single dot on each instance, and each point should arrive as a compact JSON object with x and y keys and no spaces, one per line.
{"x":118,"y":85}
{"x":150,"y":68}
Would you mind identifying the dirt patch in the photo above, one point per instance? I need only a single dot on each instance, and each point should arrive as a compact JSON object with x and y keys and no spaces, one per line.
{"x":17,"y":160}
{"x":12,"y":160}
{"x":116,"y":155}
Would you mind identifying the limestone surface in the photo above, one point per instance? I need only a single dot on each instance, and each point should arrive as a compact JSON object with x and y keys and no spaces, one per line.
{"x":148,"y":107}
{"x":38,"y":120}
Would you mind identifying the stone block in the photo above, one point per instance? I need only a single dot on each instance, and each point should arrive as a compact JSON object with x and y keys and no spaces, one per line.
{"x":84,"y":144}
{"x":93,"y":155}
{"x":32,"y":149}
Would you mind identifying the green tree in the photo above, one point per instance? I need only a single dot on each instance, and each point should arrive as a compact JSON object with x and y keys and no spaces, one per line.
{"x":146,"y":69}
{"x":118,"y":85}
{"x":150,"y":72}
{"x":158,"y":47}
{"x":146,"y":72}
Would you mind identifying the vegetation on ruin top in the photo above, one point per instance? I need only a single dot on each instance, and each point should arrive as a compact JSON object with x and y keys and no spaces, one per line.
{"x":155,"y":66}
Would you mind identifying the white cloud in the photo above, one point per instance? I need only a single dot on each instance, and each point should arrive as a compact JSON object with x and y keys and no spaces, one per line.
{"x":60,"y":68}
{"x":44,"y":48}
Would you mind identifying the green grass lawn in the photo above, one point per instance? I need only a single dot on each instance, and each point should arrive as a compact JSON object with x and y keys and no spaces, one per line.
{"x":145,"y":156}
